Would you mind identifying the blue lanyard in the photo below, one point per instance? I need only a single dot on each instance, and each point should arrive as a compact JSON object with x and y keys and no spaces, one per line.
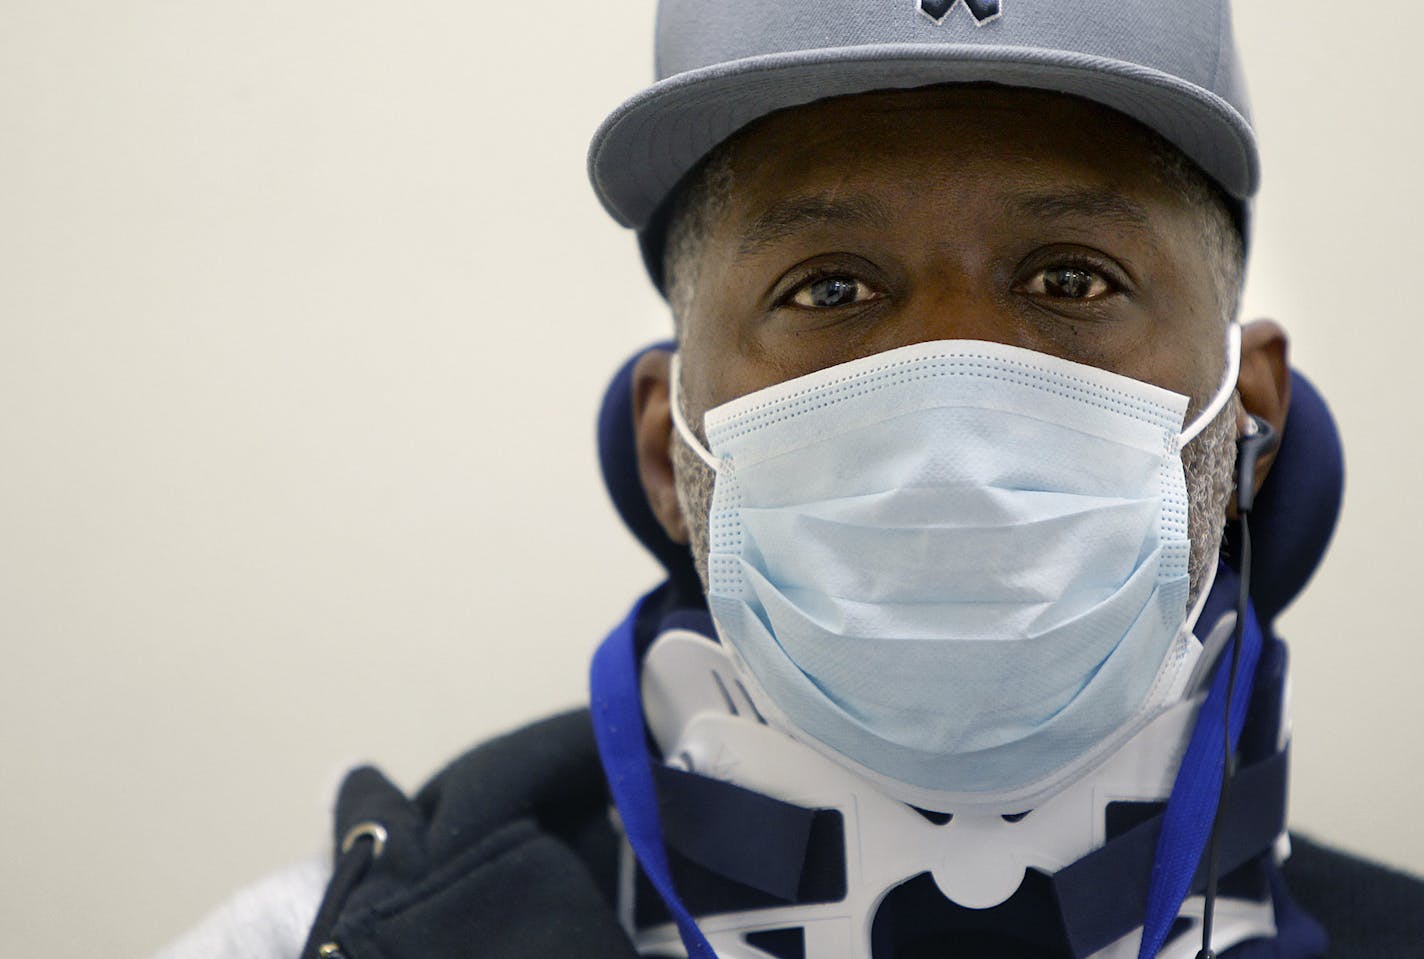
{"x":1187,"y":820}
{"x":617,"y":712}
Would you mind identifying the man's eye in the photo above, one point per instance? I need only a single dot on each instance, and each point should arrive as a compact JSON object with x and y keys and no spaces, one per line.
{"x":831,"y":291}
{"x":1069,"y":283}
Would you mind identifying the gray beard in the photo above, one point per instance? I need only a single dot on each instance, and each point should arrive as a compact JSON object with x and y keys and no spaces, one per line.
{"x":1208,"y":461}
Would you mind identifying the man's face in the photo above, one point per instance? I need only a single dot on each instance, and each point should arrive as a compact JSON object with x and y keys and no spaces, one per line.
{"x":867,"y":223}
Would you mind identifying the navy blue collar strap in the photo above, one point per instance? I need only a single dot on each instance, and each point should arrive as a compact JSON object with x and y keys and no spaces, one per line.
{"x":1150,"y":869}
{"x":750,"y":838}
{"x":1092,"y":920}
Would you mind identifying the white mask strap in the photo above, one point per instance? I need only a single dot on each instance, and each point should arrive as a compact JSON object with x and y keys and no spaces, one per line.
{"x":679,"y":423}
{"x":1223,"y":393}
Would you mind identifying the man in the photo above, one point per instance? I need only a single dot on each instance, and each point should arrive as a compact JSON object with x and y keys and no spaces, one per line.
{"x":956,"y":419}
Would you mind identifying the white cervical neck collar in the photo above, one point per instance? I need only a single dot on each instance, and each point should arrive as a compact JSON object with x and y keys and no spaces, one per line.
{"x":703,"y":720}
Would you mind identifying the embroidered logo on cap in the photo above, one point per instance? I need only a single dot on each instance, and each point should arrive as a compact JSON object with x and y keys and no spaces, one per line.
{"x":983,"y":10}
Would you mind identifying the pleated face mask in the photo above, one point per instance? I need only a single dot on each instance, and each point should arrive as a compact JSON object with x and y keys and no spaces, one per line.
{"x":961,"y":566}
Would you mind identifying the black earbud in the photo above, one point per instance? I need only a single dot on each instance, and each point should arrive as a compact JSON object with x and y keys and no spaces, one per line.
{"x":1259,"y":439}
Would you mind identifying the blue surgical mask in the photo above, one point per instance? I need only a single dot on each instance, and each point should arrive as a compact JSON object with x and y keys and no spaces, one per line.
{"x":958,"y":566}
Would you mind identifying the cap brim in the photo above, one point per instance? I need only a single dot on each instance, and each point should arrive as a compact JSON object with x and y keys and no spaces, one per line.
{"x":649,"y":143}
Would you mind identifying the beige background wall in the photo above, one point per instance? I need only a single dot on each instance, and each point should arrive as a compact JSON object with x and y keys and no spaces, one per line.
{"x":304,"y":312}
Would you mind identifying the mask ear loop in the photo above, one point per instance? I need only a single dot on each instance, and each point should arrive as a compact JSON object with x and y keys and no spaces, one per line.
{"x":679,"y":422}
{"x":1223,"y":392}
{"x":1258,"y":440}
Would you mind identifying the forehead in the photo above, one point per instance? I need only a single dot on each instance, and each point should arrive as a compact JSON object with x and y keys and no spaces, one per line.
{"x":947,"y":143}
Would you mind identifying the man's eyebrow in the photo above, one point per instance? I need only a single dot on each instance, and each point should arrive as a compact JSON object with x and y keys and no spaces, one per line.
{"x":790,"y":214}
{"x":1090,"y":204}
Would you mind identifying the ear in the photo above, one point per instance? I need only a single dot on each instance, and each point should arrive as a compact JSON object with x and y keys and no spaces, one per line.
{"x":1264,"y":383}
{"x":653,"y":439}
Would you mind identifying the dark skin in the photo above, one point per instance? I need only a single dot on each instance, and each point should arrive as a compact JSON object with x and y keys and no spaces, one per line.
{"x":871,"y":222}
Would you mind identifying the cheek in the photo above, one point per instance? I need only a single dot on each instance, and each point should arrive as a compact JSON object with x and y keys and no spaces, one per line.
{"x":723,"y":356}
{"x":1183,"y":346}
{"x":717,"y":365}
{"x":709,"y":343}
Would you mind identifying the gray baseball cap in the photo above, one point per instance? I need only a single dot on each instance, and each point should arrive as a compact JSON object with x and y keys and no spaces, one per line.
{"x":721,"y":64}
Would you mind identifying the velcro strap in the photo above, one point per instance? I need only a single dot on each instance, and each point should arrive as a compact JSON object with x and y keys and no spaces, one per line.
{"x":1103,"y":896}
{"x":737,"y":833}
